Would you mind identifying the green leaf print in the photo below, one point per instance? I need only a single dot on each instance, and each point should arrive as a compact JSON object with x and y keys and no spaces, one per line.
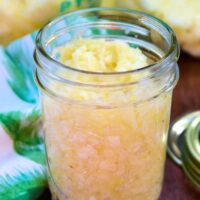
{"x":17,"y":59}
{"x":25,"y":130}
{"x":65,"y":5}
{"x":23,"y":185}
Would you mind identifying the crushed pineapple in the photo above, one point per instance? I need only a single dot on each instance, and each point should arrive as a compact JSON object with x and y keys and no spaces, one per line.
{"x":102,"y":56}
{"x":105,"y":152}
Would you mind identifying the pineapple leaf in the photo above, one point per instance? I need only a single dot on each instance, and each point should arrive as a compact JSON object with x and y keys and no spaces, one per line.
{"x":24,"y":128}
{"x":23,"y":185}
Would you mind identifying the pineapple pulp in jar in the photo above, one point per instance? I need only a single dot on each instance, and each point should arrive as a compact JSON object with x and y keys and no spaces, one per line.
{"x":106,"y":101}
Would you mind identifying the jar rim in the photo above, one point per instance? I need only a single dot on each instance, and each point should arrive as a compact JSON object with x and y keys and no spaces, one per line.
{"x":172,"y":54}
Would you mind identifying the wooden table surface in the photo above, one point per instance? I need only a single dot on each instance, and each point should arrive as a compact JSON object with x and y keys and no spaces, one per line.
{"x":186,"y":99}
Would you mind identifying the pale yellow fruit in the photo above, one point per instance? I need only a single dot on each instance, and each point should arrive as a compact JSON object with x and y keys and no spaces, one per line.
{"x":20,"y":17}
{"x":182,"y":15}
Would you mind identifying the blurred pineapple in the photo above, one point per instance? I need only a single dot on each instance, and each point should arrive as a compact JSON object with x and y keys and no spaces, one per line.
{"x":182,"y":15}
{"x":19,"y":17}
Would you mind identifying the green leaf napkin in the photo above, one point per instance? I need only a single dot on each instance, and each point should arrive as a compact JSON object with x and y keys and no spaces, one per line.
{"x":22,"y":169}
{"x":22,"y":160}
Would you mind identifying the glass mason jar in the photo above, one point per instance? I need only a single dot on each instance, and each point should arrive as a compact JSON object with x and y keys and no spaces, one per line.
{"x":106,"y":139}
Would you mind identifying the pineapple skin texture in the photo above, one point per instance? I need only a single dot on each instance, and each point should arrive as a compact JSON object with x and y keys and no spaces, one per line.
{"x":21,"y":17}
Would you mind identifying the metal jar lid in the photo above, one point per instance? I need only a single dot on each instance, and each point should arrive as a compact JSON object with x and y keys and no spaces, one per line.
{"x":184,"y":145}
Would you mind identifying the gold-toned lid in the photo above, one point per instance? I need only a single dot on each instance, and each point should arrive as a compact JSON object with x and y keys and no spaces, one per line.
{"x":184,"y":145}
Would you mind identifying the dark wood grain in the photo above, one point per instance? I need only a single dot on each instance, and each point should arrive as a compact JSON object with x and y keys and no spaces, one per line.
{"x":186,"y":99}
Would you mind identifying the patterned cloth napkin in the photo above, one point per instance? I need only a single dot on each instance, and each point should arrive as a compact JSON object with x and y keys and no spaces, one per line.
{"x":22,"y":160}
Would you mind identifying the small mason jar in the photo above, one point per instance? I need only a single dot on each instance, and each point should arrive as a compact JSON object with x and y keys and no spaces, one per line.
{"x":106,"y":139}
